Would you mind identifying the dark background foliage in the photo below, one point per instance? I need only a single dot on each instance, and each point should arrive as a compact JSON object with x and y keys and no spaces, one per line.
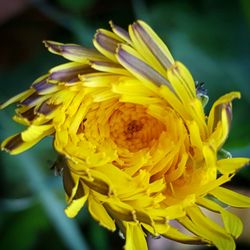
{"x":211,"y":37}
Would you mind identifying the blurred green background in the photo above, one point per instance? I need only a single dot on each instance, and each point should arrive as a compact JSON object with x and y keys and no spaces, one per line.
{"x":211,"y":37}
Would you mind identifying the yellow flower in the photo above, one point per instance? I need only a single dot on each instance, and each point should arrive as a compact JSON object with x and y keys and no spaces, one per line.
{"x":135,"y":141}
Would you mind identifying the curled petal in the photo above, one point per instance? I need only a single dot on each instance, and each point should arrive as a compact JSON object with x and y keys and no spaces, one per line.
{"x":220,"y":117}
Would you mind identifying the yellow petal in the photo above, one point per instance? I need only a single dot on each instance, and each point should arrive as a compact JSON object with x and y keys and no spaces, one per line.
{"x":99,"y":182}
{"x":176,"y":173}
{"x":20,"y":142}
{"x":148,"y":43}
{"x":219,"y":119}
{"x":109,"y":67}
{"x":99,"y":213}
{"x":232,"y":223}
{"x":148,"y":49}
{"x":120,"y":210}
{"x":133,"y":87}
{"x":168,"y":213}
{"x":17,"y":98}
{"x":212,"y":184}
{"x":230,"y":197}
{"x":210,"y":160}
{"x":136,"y":65}
{"x":183,"y":85}
{"x":135,"y":239}
{"x":195,"y":136}
{"x":228,"y":166}
{"x":174,"y":102}
{"x":68,"y":72}
{"x":176,"y":235}
{"x":115,"y":178}
{"x":34,"y":132}
{"x":106,"y":43}
{"x":78,"y":202}
{"x":123,"y":34}
{"x":73,"y":52}
{"x":15,"y":145}
{"x":202,"y":226}
{"x":182,"y":82}
{"x":70,"y":181}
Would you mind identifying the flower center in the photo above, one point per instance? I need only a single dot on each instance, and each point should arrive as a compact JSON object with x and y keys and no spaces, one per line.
{"x":133,"y":128}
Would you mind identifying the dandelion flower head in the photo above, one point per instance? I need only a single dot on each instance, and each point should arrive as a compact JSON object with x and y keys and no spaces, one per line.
{"x":137,"y":146}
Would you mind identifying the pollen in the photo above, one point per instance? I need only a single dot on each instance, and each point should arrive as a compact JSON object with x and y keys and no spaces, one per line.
{"x":133,"y":128}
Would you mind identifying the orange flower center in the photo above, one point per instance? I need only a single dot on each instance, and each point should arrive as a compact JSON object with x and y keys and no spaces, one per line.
{"x":133,"y":128}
